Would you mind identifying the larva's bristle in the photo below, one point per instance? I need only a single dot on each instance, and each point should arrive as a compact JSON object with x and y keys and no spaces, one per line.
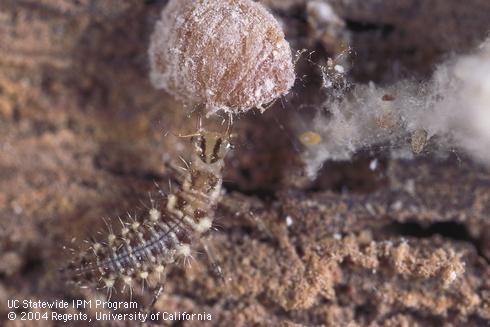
{"x":136,"y":252}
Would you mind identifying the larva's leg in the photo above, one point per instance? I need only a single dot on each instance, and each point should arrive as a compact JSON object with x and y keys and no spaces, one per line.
{"x":239,"y":207}
{"x":259,"y":222}
{"x":217,"y":270}
{"x":157,"y":292}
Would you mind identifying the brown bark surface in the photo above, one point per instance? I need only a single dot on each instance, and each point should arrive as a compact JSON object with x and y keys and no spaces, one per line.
{"x":83,"y":136}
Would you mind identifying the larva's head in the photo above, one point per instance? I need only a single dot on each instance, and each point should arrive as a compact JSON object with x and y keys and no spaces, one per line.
{"x":211,"y":146}
{"x":227,"y":55}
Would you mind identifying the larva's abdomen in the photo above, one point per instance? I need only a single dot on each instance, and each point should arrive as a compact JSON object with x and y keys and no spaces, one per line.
{"x":139,"y":252}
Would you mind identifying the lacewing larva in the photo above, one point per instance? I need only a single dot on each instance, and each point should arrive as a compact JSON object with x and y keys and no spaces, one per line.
{"x":136,"y":252}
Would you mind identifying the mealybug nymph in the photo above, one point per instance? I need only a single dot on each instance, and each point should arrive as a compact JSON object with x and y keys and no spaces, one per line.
{"x":228,"y":55}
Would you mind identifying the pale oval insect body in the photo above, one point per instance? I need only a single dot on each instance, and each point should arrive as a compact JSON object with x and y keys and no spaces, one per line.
{"x":310,"y":138}
{"x":228,"y":55}
{"x":418,"y":141}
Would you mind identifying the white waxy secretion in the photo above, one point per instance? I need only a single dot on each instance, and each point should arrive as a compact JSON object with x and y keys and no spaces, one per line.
{"x":227,"y":55}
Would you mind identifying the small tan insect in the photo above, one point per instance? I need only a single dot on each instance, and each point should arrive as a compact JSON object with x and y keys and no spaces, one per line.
{"x":388,"y":119}
{"x":418,"y":141}
{"x":310,"y":138}
{"x":228,"y":55}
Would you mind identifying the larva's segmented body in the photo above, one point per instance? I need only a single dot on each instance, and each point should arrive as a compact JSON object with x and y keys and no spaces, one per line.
{"x":140,"y":251}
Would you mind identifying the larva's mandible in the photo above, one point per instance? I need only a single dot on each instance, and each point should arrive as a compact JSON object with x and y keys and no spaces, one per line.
{"x":139,"y":253}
